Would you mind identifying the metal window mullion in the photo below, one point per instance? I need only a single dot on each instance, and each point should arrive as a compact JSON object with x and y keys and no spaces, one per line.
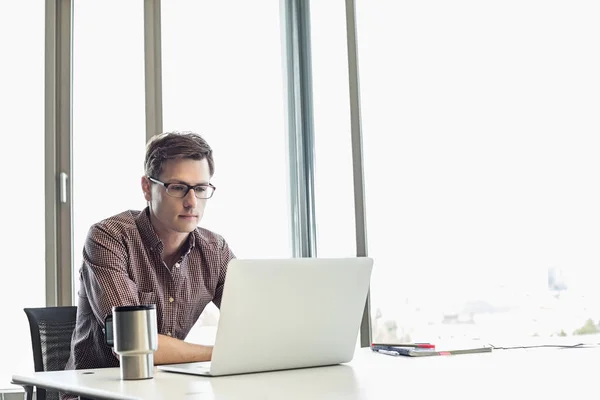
{"x":153,"y":67}
{"x":299,"y":110}
{"x":50,"y":170}
{"x":357,"y":159}
{"x":58,"y":152}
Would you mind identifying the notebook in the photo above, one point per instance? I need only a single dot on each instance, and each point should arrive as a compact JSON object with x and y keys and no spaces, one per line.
{"x":422,"y":352}
{"x":286,"y":313}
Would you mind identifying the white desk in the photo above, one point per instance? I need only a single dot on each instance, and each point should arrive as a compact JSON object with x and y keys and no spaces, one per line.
{"x":503,"y":374}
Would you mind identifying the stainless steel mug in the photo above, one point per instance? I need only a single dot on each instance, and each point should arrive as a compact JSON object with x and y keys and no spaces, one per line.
{"x":132,"y":330}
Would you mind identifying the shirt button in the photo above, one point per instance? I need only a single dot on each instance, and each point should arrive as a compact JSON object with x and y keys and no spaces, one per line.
{"x":176,"y":265}
{"x":170,"y":299}
{"x":168,"y":333}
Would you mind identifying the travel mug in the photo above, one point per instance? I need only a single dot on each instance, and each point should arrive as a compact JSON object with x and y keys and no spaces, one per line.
{"x":132,"y":331}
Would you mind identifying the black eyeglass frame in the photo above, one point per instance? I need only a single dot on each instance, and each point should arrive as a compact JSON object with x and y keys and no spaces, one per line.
{"x":189,"y":187}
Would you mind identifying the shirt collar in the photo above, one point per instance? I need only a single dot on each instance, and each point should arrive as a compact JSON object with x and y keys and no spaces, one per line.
{"x":147,"y":232}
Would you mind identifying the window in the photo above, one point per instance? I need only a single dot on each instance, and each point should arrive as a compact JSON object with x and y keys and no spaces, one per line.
{"x":108,"y":114}
{"x":22,"y":162}
{"x":334,"y":190}
{"x":222,"y":78}
{"x":480,"y":136}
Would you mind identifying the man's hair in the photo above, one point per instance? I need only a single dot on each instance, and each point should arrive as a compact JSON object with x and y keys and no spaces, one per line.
{"x":176,"y":145}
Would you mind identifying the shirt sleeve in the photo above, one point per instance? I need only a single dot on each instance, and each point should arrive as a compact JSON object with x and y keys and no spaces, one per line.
{"x":226,"y":256}
{"x":104,"y":275}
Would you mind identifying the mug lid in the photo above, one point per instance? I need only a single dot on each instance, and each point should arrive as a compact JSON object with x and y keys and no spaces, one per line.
{"x":141,"y":307}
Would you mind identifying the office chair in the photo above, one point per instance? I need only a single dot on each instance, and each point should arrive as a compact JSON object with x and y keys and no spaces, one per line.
{"x":51,"y":330}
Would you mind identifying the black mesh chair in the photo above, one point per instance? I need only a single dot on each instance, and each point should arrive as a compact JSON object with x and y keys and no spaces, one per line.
{"x":51,"y":330}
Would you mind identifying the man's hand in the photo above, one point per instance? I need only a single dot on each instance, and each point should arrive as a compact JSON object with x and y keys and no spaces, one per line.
{"x":174,"y":351}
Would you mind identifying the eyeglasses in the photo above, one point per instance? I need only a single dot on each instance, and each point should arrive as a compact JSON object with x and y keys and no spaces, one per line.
{"x":180,"y":190}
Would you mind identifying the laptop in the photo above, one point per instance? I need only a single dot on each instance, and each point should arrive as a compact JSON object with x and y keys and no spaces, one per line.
{"x":286,"y":313}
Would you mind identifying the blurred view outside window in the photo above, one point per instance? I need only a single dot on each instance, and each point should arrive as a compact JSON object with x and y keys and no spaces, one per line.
{"x":108,"y":109}
{"x":23,"y":279}
{"x":480,"y":124}
{"x":223,"y":78}
{"x":334,"y":190}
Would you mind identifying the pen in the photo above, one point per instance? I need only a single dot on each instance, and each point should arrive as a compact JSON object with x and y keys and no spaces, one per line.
{"x":417,"y":345}
{"x":406,"y":351}
{"x":388,"y":352}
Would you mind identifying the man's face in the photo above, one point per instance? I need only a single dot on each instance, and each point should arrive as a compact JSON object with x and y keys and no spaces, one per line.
{"x":172,"y":214}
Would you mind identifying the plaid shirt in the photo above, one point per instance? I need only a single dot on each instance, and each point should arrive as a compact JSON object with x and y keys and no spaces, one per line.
{"x":122,"y":265}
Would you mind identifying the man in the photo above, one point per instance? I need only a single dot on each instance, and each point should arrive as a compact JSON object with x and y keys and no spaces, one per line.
{"x":155,"y":256}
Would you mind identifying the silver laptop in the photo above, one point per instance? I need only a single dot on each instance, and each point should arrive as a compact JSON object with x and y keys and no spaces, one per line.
{"x":286,"y":313}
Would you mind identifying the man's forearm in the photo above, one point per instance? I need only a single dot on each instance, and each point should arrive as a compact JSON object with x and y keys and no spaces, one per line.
{"x":173,"y":351}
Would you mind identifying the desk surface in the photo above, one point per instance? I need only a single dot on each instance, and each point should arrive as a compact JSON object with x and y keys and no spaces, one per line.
{"x":547,"y":373}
